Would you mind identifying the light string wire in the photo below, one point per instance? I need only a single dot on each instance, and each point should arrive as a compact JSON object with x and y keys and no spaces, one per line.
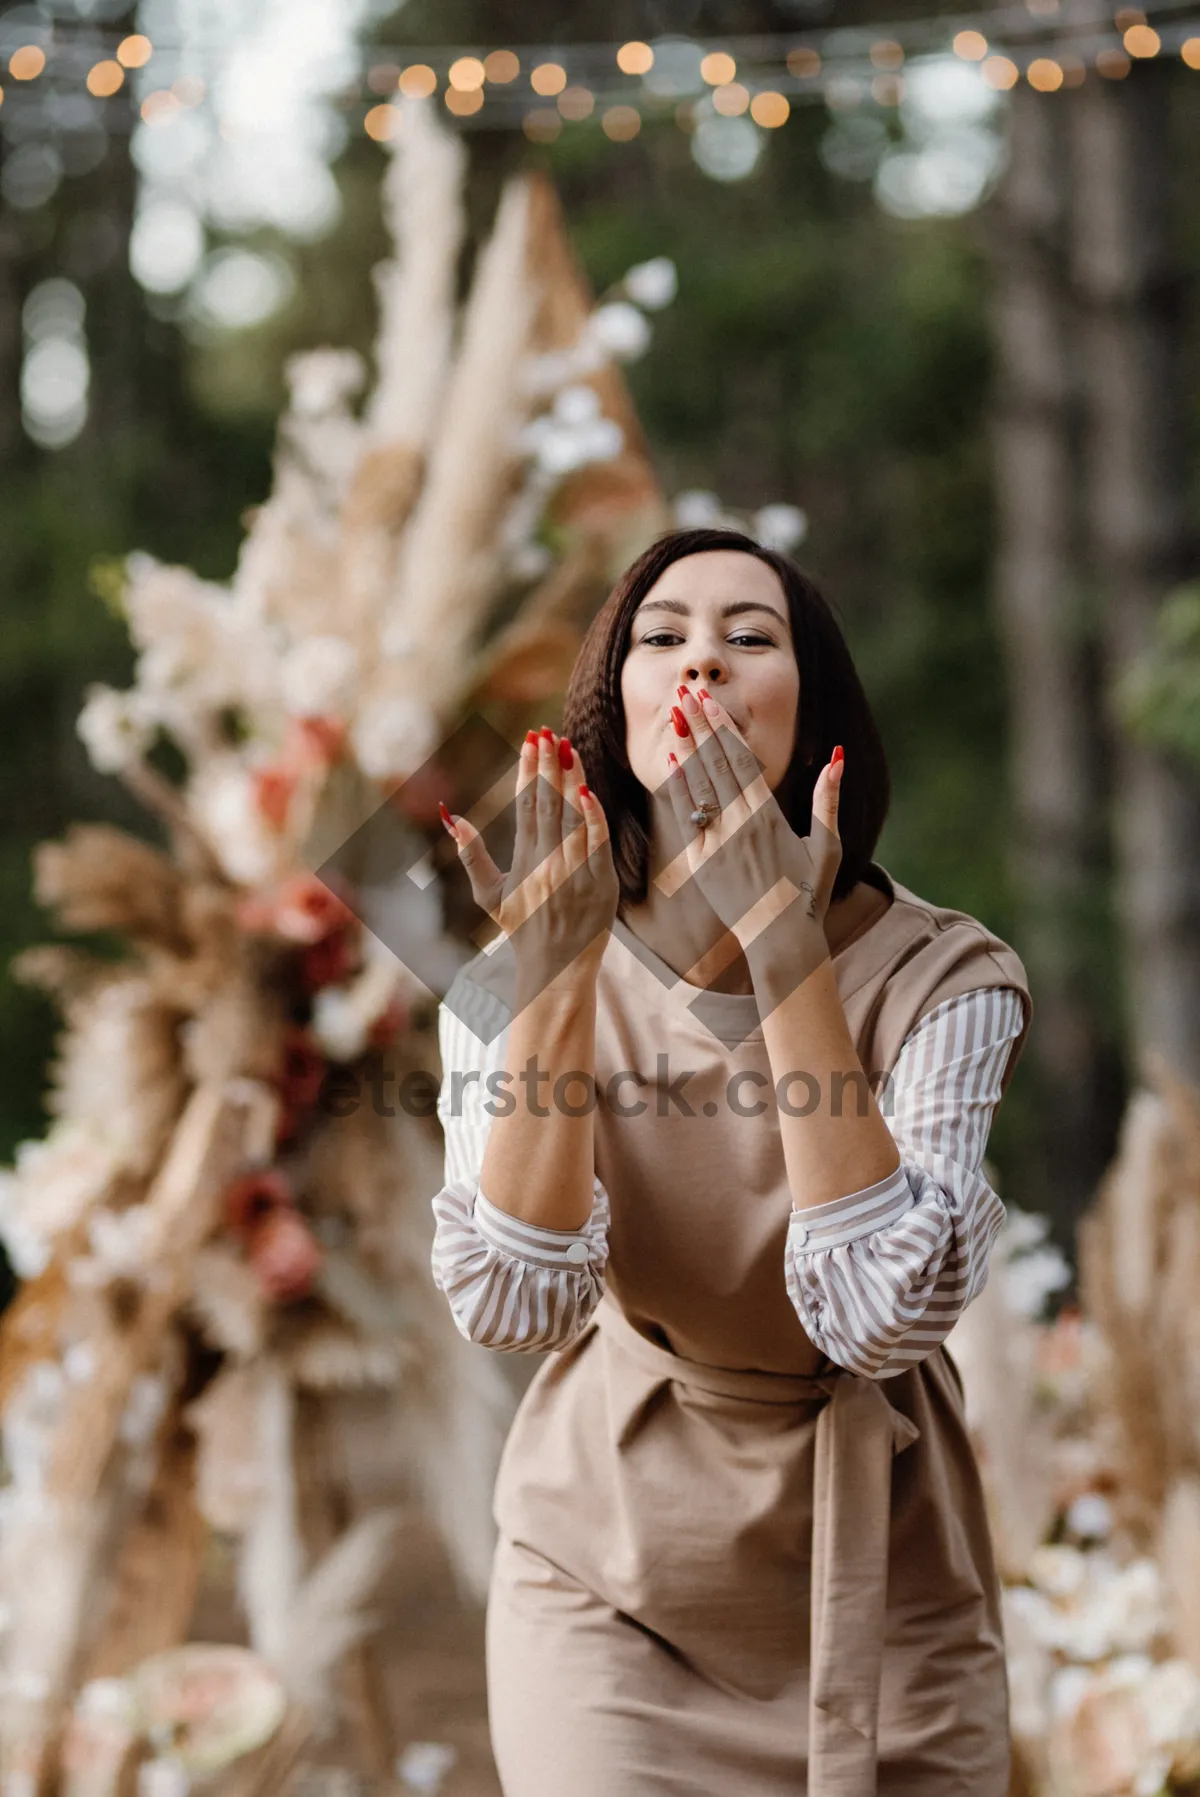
{"x":1049,"y":43}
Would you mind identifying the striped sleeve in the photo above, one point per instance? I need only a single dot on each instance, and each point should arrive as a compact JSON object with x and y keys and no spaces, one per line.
{"x":512,"y":1286}
{"x":880,"y":1277}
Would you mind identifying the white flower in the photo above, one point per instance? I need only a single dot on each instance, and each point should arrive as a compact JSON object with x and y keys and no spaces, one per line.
{"x":529,"y":561}
{"x":223,"y":799}
{"x":577,"y":405}
{"x":652,"y":284}
{"x":321,"y":380}
{"x":780,"y":526}
{"x":317,"y":676}
{"x":338,"y":1024}
{"x":144,"y":1409}
{"x":620,"y":330}
{"x":392,"y":737}
{"x":1090,"y":1516}
{"x":697,"y":508}
{"x":116,"y":728}
{"x":424,"y":1764}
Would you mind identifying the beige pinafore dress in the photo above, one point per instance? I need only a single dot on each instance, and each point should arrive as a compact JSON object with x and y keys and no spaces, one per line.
{"x":725,"y":1567}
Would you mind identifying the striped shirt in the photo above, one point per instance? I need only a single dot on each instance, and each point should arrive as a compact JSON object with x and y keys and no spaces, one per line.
{"x":878,"y":1278}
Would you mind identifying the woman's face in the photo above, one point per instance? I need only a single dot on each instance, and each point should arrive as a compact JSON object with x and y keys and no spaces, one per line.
{"x":717,"y":620}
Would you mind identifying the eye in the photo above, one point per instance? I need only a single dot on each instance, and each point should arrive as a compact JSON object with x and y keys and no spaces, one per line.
{"x":743,"y":638}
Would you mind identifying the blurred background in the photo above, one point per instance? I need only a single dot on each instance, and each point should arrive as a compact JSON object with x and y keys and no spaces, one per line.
{"x":907,"y":290}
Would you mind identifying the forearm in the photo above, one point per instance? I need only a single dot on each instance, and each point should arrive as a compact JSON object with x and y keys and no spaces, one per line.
{"x":539,"y":1163}
{"x":841,"y":1144}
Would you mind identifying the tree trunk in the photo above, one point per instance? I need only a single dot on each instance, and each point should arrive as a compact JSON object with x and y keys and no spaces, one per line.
{"x":1130,"y":292}
{"x":1059,"y":851}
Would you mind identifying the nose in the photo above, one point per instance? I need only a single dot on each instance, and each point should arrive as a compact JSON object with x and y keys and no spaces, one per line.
{"x":704,"y":670}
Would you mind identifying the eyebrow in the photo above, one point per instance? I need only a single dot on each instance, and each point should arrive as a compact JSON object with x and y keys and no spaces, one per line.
{"x":727,"y":611}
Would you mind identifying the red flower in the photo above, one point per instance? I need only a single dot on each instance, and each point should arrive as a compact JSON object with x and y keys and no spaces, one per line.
{"x":326,"y":963}
{"x":319,"y":740}
{"x":286,"y":1256}
{"x":253,"y":1198}
{"x":307,"y":910}
{"x":303,"y":1070}
{"x":273,"y":789}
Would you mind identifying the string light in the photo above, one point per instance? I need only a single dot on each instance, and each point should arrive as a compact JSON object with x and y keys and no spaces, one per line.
{"x":635,"y":58}
{"x":1127,"y":17}
{"x":105,"y":79}
{"x":1001,"y":73}
{"x":467,"y":74}
{"x":770,"y":110}
{"x":887,"y":54}
{"x":417,"y":81}
{"x":1114,"y":65}
{"x":972,"y":46}
{"x":1045,"y":75}
{"x":577,"y":103}
{"x":1142,"y":40}
{"x":804,"y":63}
{"x":501,"y":66}
{"x":621,"y":123}
{"x":548,"y":78}
{"x":381,"y":123}
{"x":731,"y":100}
{"x":542,"y":125}
{"x":1190,"y":52}
{"x":462,"y":102}
{"x":27,"y":63}
{"x":134,"y":52}
{"x":159,"y":106}
{"x":718,"y":69}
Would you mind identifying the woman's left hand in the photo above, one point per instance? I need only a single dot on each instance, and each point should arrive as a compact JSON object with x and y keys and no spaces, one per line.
{"x":748,"y":862}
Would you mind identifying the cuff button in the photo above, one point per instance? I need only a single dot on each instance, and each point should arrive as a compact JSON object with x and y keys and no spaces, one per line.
{"x":577,"y":1253}
{"x":800,"y":1235}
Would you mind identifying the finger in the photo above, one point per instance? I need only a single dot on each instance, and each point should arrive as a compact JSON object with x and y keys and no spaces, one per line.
{"x":574,"y":824}
{"x":725,"y":786}
{"x":747,"y":769}
{"x":680,"y":793}
{"x":827,"y":791}
{"x":549,"y":795}
{"x":525,"y":839}
{"x":487,"y":881}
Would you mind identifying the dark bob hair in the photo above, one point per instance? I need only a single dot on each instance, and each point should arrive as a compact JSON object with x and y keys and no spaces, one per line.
{"x":833,"y":709}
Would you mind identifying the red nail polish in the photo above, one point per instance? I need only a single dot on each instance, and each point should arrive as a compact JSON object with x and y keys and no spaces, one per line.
{"x":836,"y":756}
{"x":679,"y":691}
{"x":671,"y":758}
{"x":703,"y":693}
{"x":679,"y":721}
{"x":565,"y":756}
{"x":446,"y":817}
{"x":547,"y":733}
{"x":531,"y":736}
{"x":585,"y":791}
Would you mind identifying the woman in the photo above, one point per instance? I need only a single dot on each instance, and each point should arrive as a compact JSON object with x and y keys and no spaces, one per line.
{"x":715,"y":1117}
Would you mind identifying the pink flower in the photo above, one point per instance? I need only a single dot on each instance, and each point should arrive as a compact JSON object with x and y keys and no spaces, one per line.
{"x":286,"y":1256}
{"x":305,"y":909}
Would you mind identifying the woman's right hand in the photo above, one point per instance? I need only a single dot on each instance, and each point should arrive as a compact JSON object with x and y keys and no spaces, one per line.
{"x":557,"y":902}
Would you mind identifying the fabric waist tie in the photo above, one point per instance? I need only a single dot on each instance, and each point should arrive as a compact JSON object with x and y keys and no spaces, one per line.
{"x":858,"y":1433}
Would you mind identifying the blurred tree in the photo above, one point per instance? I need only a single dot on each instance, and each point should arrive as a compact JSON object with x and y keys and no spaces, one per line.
{"x":1060,"y":844}
{"x":1133,"y":289}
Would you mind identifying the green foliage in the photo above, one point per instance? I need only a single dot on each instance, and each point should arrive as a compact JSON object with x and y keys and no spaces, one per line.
{"x":1159,"y":697}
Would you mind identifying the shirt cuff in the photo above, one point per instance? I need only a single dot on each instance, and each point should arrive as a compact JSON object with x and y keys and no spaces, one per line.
{"x":537,"y":1246}
{"x":844,"y":1220}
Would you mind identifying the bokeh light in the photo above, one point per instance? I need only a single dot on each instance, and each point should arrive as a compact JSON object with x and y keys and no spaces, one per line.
{"x":577,"y":103}
{"x":105,"y":79}
{"x":502,"y":66}
{"x":135,"y":51}
{"x":770,"y":110}
{"x":635,"y":58}
{"x":467,"y":73}
{"x":621,"y":123}
{"x":1044,"y":74}
{"x":726,"y":149}
{"x":718,"y":69}
{"x":27,"y":63}
{"x":418,"y":81}
{"x":548,"y":78}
